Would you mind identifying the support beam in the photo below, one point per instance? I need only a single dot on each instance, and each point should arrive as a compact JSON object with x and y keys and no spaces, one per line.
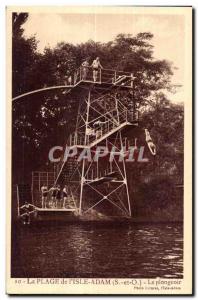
{"x":85,"y":142}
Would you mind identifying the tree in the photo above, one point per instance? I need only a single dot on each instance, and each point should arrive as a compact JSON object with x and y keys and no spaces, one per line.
{"x":166,"y":122}
{"x":23,"y":55}
{"x":45,"y":120}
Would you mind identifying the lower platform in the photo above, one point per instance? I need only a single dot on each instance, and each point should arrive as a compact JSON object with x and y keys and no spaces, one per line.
{"x":55,"y":209}
{"x":55,"y":214}
{"x":59,"y":215}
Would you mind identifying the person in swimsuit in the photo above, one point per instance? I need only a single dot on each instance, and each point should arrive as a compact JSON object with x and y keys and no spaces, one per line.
{"x":96,"y":65}
{"x":150,"y":143}
{"x":98,"y":128}
{"x":27,"y":209}
{"x":65,"y":195}
{"x":53,"y":196}
{"x":85,"y":69}
{"x":44,"y":193}
{"x":58,"y":195}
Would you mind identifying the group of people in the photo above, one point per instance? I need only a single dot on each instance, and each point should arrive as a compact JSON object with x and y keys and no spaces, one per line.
{"x":54,"y":197}
{"x":96,"y":66}
{"x":85,"y":67}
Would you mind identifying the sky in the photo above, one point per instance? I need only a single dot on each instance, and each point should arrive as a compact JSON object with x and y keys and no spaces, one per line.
{"x":168,"y":31}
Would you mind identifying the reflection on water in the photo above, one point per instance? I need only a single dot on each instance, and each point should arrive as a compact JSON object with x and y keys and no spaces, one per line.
{"x":91,"y":250}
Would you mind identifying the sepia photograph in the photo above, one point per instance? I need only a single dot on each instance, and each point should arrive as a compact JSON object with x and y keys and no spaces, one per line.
{"x":100,"y":185}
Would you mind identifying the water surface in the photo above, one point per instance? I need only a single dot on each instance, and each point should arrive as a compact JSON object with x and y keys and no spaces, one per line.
{"x":98,"y":250}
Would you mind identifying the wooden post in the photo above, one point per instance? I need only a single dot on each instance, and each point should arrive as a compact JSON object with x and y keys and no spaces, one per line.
{"x":18,"y":204}
{"x":32,"y":188}
{"x":100,"y":75}
{"x":39,"y":181}
{"x":47,"y":180}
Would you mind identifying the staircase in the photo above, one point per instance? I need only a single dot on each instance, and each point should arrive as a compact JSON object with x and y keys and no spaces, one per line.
{"x":114,"y":122}
{"x":66,"y":170}
{"x":107,"y":117}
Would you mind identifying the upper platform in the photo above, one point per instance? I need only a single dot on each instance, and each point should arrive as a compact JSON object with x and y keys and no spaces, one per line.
{"x":105,"y":78}
{"x":83,"y":77}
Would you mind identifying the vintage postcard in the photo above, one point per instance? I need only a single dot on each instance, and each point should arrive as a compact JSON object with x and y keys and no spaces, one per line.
{"x":99,"y":139}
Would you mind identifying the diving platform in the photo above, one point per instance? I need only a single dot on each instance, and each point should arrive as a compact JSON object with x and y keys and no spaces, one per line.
{"x":112,"y":176}
{"x":111,"y":132}
{"x":103,"y":136}
{"x":98,"y":181}
{"x":55,"y":209}
{"x":106,"y":79}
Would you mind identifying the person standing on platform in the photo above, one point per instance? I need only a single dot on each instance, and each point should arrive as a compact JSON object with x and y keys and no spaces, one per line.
{"x":44,"y":193}
{"x":96,"y":65}
{"x":70,"y":80}
{"x":58,"y":196}
{"x":85,"y":69}
{"x":65,"y":195}
{"x":53,"y":196}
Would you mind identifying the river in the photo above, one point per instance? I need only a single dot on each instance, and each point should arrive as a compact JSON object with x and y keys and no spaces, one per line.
{"x":98,"y":250}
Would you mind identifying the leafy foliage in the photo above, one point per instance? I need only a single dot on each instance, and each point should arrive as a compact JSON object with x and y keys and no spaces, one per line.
{"x":24,"y":55}
{"x":45,"y":120}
